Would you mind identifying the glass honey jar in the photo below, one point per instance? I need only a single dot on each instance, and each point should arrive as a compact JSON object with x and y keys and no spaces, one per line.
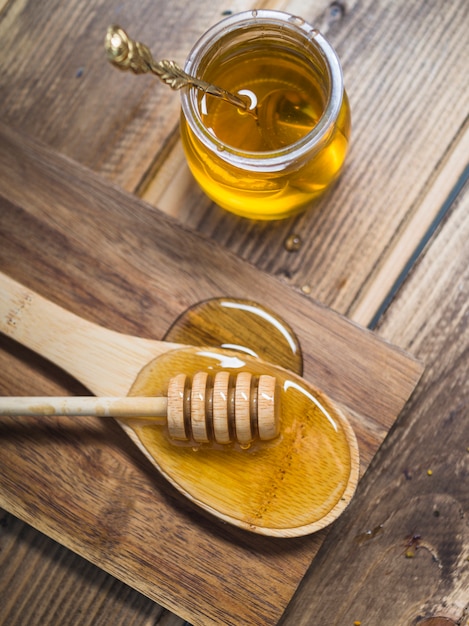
{"x":283,"y":150}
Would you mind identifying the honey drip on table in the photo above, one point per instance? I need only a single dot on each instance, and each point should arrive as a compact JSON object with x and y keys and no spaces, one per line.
{"x":240,"y":325}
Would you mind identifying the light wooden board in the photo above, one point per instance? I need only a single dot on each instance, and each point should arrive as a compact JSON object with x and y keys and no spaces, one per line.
{"x":86,"y":486}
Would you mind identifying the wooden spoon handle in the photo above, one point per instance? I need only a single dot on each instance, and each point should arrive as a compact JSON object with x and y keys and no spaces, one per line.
{"x":105,"y":361}
{"x":86,"y":405}
{"x":108,"y":362}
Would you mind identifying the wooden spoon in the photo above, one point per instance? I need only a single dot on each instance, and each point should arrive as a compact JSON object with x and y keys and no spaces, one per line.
{"x":291,"y":486}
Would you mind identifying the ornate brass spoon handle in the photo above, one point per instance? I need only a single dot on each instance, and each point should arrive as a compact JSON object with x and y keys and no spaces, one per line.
{"x":127,"y":54}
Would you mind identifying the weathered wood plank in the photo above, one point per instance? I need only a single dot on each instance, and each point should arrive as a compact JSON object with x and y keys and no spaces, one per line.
{"x":58,"y":87}
{"x":89,"y":111}
{"x":404,"y":555}
{"x":42,"y":583}
{"x":398,"y":90}
{"x":406,"y":241}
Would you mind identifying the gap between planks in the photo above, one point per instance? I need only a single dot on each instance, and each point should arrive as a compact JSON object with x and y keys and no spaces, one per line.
{"x":174,"y":183}
{"x":171,"y":181}
{"x":409,"y":240}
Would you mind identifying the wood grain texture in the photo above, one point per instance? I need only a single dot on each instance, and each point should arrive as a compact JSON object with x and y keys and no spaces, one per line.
{"x":416,"y":228}
{"x":115,"y":249}
{"x":58,"y":86}
{"x":68,"y":590}
{"x":405,"y":555}
{"x":399,"y":90}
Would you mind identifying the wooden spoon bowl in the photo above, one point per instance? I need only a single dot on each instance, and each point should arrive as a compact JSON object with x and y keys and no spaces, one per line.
{"x":293,"y":485}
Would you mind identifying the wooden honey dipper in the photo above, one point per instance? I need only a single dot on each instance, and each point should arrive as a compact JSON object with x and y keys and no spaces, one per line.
{"x":216,"y":408}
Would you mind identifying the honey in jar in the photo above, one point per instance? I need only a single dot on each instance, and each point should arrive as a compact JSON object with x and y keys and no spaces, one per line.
{"x":274,"y":158}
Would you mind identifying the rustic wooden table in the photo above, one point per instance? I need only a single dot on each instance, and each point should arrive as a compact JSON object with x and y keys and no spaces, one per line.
{"x":95,"y":198}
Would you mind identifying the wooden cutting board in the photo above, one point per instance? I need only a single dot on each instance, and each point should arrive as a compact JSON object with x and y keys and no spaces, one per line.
{"x":111,"y":258}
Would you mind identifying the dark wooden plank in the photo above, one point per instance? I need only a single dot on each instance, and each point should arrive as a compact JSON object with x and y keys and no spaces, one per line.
{"x":42,"y":583}
{"x":400,"y":553}
{"x":109,"y":257}
{"x":58,"y":86}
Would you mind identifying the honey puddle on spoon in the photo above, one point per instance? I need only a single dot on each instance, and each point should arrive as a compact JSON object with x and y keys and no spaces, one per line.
{"x":297,"y":482}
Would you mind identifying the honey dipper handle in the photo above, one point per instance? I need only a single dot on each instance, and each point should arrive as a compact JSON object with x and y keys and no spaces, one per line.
{"x":86,"y":405}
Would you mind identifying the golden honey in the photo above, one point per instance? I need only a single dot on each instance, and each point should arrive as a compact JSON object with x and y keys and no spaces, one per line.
{"x":290,"y":482}
{"x":276,"y":158}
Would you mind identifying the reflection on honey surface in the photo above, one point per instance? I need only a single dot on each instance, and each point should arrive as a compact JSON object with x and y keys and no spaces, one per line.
{"x":287,"y":482}
{"x":287,"y":84}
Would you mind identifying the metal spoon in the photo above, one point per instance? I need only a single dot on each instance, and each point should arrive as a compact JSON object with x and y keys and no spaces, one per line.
{"x":128,"y":54}
{"x":273,"y":115}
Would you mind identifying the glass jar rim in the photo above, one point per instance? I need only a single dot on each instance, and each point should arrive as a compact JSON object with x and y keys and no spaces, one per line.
{"x":278,"y":159}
